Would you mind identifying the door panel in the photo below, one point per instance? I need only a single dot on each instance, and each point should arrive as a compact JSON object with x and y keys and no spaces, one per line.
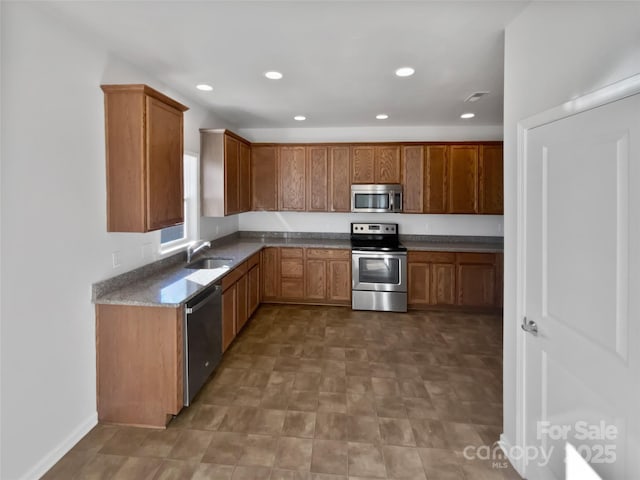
{"x":462,"y":174}
{"x":435,"y":179}
{"x":315,"y":280}
{"x":582,"y":264}
{"x":292,"y":173}
{"x":264,"y":178}
{"x":362,"y":164}
{"x":317,"y":179}
{"x":340,"y":164}
{"x":339,"y":286}
{"x":413,"y":174}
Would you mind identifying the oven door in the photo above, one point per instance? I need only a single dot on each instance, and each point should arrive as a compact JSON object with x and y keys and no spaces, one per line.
{"x":379,"y":271}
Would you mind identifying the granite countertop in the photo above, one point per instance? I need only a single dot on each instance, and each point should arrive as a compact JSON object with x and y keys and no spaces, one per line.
{"x":167,"y":283}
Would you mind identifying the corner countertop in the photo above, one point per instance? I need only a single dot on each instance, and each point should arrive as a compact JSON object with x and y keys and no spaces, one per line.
{"x":167,"y":283}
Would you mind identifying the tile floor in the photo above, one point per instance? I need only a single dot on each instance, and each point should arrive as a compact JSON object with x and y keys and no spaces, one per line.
{"x":325,"y":393}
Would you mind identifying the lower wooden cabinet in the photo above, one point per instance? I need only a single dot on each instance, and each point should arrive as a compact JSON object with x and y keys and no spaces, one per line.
{"x":454,"y":279}
{"x":239,"y":298}
{"x":310,"y":275}
{"x":431,"y":278}
{"x":139,"y":353}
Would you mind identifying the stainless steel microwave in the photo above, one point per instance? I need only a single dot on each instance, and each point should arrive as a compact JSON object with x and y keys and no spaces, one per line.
{"x":376,"y":198}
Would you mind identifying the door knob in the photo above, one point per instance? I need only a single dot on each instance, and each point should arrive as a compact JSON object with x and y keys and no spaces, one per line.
{"x":529,"y":326}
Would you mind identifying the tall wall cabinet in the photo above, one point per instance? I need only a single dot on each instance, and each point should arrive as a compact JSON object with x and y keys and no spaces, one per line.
{"x":144,"y":152}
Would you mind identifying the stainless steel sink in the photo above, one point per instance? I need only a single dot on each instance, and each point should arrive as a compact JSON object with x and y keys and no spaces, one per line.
{"x":210,"y":263}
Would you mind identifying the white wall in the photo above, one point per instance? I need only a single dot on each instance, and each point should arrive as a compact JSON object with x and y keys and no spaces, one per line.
{"x":554,"y":51}
{"x":54,"y":240}
{"x":481,"y":225}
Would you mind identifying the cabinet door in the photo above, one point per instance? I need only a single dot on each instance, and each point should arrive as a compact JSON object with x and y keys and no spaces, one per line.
{"x":362,"y":164}
{"x":413,"y":174}
{"x":291,"y":273}
{"x":463,"y":179}
{"x":231,"y":175}
{"x":435,"y":179}
{"x":270,"y":273}
{"x":229,"y":313}
{"x":491,"y":181}
{"x":264,"y":178}
{"x":292,"y":178}
{"x":339,"y":281}
{"x":443,"y":283}
{"x":244,"y":178}
{"x":317,"y":179}
{"x":315,"y":280}
{"x":164,"y":159}
{"x":253,"y":294}
{"x":340,"y":179}
{"x":387,"y":164}
{"x":419,"y":283}
{"x":476,"y":278}
{"x":242,"y":313}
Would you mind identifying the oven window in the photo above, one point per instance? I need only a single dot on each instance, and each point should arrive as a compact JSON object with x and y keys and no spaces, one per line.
{"x":372,"y":200}
{"x":379,"y":270}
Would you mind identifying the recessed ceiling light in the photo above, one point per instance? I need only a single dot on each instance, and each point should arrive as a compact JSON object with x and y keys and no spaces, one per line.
{"x":468,"y":115}
{"x":405,"y":72}
{"x":382,"y":116}
{"x":204,"y":87}
{"x":273,"y":75}
{"x":300,"y":118}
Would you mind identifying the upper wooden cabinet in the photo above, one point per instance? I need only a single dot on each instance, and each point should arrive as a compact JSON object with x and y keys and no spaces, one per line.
{"x":463,"y":179}
{"x":144,"y":151}
{"x":292,"y":178}
{"x":317,"y":179}
{"x":375,"y":164}
{"x":435,"y":178}
{"x":264,"y":177}
{"x":339,"y":179}
{"x":491,"y":180}
{"x":225,"y":177}
{"x":413,"y":175}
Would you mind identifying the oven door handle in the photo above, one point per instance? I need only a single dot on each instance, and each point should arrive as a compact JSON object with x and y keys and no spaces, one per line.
{"x":398,"y":255}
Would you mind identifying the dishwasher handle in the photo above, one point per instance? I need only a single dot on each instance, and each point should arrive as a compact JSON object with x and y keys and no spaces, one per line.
{"x":215,"y":293}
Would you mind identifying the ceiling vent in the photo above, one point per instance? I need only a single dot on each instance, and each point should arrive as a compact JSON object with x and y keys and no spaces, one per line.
{"x":474,"y":97}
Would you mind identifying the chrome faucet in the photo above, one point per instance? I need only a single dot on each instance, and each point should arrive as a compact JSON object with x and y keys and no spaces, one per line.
{"x":195,"y":247}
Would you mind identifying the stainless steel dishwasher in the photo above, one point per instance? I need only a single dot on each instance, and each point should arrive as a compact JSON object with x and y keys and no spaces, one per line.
{"x":202,"y":339}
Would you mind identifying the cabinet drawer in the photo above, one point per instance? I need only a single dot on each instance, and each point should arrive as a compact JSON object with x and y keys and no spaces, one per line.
{"x":291,"y":267}
{"x":431,"y":257}
{"x":329,"y":253}
{"x":477,"y":258}
{"x":234,"y":275}
{"x":291,"y":288}
{"x":288,"y":252}
{"x":253,"y":261}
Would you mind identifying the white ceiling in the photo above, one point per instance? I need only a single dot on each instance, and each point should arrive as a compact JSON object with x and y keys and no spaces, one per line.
{"x":338,"y":58}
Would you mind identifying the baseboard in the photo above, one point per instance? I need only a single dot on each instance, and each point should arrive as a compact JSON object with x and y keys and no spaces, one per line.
{"x":50,"y":459}
{"x":507,"y":448}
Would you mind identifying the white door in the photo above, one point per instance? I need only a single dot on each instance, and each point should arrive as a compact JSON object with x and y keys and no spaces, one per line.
{"x":582,"y":290}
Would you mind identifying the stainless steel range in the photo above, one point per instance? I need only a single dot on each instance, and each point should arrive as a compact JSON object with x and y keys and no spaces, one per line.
{"x":379,"y":268}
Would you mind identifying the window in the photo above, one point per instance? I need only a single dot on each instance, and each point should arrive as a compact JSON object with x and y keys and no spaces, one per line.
{"x":176,"y":237}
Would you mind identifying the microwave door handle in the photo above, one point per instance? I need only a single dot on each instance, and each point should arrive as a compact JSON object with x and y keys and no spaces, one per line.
{"x":391,"y":197}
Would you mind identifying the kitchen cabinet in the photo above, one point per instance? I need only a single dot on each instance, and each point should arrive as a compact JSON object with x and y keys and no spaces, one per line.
{"x":144,"y":159}
{"x":317,"y":179}
{"x":462,"y":182}
{"x":292,"y":178}
{"x":340,"y":179}
{"x":264,"y":178}
{"x":291,"y":273}
{"x":244,"y":177}
{"x":375,"y":164}
{"x":435,"y":178}
{"x":491,"y":180}
{"x":456,"y":279}
{"x":412,"y":176}
{"x":363,"y":164}
{"x":476,"y":275}
{"x":139,"y":363}
{"x":253,"y":284}
{"x":238,"y":298}
{"x":431,"y":278}
{"x":270,"y":267}
{"x":327,"y":275}
{"x":225,"y":164}
{"x":310,"y":275}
